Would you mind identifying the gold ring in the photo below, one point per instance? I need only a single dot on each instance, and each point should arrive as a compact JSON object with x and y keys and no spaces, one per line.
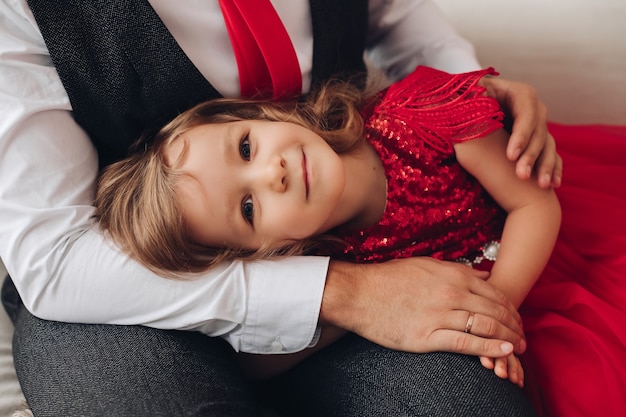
{"x":470,"y":321}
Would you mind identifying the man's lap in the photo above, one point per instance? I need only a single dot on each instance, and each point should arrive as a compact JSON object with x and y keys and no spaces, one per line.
{"x":104,"y":370}
{"x":93,"y":370}
{"x":355,"y":377}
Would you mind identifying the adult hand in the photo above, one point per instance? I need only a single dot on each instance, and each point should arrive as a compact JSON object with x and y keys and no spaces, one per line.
{"x":531,"y":145}
{"x":422,"y":305}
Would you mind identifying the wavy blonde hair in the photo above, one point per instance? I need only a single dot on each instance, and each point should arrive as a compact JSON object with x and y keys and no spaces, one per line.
{"x":136,"y":200}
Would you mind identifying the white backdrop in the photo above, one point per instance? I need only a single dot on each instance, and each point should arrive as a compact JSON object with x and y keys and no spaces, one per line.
{"x":572,"y":51}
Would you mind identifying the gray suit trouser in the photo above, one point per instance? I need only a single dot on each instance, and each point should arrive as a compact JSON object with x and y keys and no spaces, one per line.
{"x":104,"y":370}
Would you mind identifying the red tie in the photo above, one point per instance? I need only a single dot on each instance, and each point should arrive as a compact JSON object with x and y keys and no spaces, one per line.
{"x":266,"y":59}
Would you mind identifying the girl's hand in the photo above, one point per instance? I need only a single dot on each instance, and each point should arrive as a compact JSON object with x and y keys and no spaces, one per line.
{"x":531,"y":145}
{"x":508,"y":367}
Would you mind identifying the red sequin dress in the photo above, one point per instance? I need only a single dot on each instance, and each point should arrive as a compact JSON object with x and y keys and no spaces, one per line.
{"x":575,"y":316}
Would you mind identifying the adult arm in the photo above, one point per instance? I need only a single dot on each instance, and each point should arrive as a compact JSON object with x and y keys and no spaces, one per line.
{"x":404,"y":34}
{"x":62,"y":266}
{"x":65,"y":270}
{"x":414,"y":305}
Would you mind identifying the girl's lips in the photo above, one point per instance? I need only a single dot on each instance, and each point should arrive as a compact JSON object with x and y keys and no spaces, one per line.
{"x":305,"y":175}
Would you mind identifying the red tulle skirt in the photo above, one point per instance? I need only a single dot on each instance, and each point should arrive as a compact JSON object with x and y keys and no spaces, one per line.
{"x":575,"y":316}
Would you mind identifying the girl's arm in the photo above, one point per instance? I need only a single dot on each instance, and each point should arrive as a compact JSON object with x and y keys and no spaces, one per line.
{"x":534,"y":214}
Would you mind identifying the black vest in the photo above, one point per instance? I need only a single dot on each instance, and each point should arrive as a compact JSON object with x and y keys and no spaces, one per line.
{"x":124,"y":72}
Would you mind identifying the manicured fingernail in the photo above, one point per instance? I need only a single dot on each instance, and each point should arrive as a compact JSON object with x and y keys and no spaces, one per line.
{"x":506,"y":347}
{"x":545,"y":180}
{"x":515,"y":153}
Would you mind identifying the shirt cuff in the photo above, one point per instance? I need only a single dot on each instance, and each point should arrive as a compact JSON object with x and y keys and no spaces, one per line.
{"x":284,"y":302}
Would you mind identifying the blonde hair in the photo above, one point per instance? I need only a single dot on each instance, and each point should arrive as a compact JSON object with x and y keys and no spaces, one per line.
{"x":136,"y":200}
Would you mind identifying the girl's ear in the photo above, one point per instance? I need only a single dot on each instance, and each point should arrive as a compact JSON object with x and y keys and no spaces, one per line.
{"x":173,"y":152}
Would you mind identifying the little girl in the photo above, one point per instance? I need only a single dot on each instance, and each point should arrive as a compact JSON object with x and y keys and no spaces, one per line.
{"x":418,"y":169}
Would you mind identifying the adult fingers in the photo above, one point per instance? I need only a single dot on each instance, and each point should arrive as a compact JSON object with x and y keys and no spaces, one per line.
{"x":468,"y":290}
{"x":525,"y":133}
{"x":481,"y":309}
{"x":485,"y":326}
{"x":489,"y":301}
{"x":549,"y":166}
{"x":469,"y":344}
{"x":531,"y":146}
{"x":546,"y":164}
{"x":557,"y":176}
{"x":520,"y":101}
{"x":529,"y":134}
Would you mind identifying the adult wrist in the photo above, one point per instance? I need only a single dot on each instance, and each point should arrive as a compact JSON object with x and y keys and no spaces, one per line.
{"x":341,"y":294}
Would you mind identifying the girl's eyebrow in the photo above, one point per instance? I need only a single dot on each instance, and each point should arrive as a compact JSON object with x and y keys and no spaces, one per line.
{"x":227,"y":143}
{"x":231,"y":141}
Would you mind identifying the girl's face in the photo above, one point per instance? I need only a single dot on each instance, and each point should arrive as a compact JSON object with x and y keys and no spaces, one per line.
{"x":255,"y":182}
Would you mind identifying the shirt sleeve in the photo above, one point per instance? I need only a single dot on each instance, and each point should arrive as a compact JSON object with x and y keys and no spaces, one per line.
{"x":62,"y":266}
{"x":404,"y":34}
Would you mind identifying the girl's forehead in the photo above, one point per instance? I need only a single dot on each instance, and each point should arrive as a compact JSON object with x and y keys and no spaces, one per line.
{"x":207,"y":137}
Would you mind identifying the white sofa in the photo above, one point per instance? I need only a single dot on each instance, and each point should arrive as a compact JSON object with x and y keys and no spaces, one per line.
{"x":572,"y":51}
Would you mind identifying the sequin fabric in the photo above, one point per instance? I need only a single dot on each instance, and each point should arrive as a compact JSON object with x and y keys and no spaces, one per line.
{"x":434,"y":207}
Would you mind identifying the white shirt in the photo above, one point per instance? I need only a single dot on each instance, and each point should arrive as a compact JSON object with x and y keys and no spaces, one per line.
{"x":62,"y":266}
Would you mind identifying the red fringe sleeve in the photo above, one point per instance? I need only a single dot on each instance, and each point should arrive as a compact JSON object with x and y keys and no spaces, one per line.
{"x":444,"y":108}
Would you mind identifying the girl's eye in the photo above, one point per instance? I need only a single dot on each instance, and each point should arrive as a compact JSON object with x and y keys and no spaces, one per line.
{"x":244,"y":148}
{"x":247,"y":209}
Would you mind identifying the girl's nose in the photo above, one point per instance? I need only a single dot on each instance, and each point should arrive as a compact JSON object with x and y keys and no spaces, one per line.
{"x":275,"y":174}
